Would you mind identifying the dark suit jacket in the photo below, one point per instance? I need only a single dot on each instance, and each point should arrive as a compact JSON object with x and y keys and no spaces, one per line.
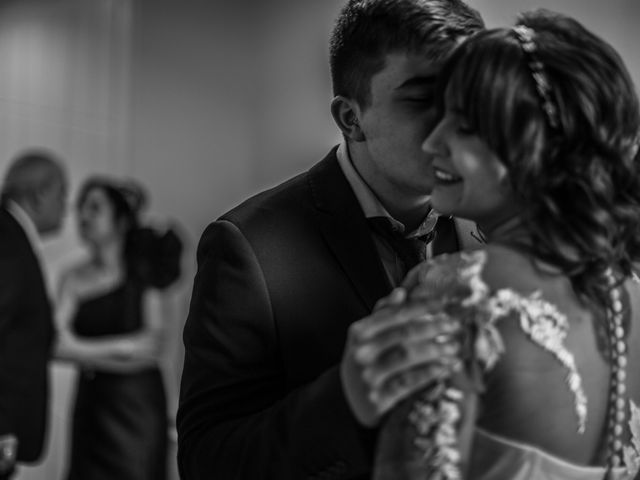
{"x":26,"y":332}
{"x":280,"y":279}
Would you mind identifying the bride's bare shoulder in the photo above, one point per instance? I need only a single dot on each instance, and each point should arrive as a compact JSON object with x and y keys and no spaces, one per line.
{"x":507,"y":267}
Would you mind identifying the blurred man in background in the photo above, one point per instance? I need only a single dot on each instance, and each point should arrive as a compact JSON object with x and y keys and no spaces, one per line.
{"x":32,"y":205}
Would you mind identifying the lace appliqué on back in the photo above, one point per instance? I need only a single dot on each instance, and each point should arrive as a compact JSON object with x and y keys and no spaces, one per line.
{"x":547,"y":327}
{"x":455,"y":281}
{"x":453,"y":284}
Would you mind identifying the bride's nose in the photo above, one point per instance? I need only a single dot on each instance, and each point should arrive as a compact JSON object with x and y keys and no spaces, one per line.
{"x":433,"y":145}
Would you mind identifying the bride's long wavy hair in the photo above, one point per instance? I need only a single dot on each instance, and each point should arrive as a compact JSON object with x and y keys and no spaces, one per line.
{"x":579,"y":183}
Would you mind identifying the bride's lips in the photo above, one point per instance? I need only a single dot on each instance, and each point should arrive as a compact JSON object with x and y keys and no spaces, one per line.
{"x":444,"y":177}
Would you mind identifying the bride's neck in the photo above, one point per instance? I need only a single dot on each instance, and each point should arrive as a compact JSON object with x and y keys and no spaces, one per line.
{"x":504,"y":230}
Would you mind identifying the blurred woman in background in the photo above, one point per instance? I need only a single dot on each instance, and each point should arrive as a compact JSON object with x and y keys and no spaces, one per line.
{"x":110,"y":323}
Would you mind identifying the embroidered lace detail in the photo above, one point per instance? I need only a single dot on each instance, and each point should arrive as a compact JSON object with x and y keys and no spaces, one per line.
{"x":631,"y":453}
{"x":453,"y":284}
{"x":456,"y":282}
{"x":434,"y":416}
{"x":548,"y":328}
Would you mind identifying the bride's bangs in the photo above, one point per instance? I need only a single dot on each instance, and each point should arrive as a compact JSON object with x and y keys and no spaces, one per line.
{"x":486,"y":86}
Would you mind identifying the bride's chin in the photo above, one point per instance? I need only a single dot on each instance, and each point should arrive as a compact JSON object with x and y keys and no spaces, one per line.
{"x":441,"y":206}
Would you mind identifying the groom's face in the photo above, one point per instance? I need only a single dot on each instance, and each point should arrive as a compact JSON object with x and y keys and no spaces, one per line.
{"x":398,"y":118}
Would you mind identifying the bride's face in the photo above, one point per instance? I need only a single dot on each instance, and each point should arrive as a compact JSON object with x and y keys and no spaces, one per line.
{"x":97,"y":224}
{"x":470,"y":180}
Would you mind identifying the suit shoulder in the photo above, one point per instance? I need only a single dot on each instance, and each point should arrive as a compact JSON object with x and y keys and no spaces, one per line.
{"x":261,"y":219}
{"x":289,"y":199}
{"x":282,"y":214}
{"x":285,"y":197}
{"x":13,"y":241}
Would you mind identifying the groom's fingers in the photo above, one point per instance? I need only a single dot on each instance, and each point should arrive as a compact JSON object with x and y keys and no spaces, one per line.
{"x":400,"y":386}
{"x":384,"y":335}
{"x":389,"y":317}
{"x":398,"y":360}
{"x":412,"y":331}
{"x":413,"y":277}
{"x":396,"y":297}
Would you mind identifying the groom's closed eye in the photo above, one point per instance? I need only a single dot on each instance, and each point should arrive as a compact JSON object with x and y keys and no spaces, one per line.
{"x":419,"y":97}
{"x":417,"y":90}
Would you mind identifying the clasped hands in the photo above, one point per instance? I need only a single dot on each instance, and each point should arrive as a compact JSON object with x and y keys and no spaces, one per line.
{"x":397,"y":350}
{"x":127,"y":352}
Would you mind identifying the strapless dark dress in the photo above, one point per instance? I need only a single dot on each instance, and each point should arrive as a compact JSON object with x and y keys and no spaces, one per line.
{"x":119,"y":420}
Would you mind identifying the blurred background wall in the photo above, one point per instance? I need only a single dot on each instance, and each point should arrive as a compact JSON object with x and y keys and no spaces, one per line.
{"x":204,"y":101}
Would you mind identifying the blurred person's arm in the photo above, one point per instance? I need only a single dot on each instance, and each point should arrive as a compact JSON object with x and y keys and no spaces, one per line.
{"x":119,"y":353}
{"x":236,"y":418}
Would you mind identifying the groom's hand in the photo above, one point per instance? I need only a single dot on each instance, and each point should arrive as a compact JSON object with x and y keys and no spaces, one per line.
{"x":395,"y":351}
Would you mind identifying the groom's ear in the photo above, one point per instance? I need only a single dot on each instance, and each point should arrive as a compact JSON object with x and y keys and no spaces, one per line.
{"x":346,"y":114}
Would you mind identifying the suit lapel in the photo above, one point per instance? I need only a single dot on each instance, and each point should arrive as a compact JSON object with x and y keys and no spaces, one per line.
{"x":345,"y":230}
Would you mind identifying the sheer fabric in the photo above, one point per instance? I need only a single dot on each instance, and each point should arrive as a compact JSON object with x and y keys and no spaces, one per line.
{"x":417,"y":442}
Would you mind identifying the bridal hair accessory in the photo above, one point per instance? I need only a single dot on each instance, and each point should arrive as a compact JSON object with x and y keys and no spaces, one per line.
{"x":525,"y":36}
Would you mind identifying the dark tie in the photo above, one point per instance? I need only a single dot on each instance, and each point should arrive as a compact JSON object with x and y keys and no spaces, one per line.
{"x":410,"y":251}
{"x":446,"y":238}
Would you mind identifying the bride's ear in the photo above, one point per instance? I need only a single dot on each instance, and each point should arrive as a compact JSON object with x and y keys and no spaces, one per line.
{"x":346,"y":114}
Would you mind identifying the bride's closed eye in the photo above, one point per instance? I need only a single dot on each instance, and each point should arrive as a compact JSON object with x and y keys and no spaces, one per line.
{"x":462,"y":125}
{"x":465,"y":128}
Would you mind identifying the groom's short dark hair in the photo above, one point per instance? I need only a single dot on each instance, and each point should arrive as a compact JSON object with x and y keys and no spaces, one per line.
{"x":367,"y":30}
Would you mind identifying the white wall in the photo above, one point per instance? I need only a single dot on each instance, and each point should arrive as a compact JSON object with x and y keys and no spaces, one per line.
{"x":230,"y":97}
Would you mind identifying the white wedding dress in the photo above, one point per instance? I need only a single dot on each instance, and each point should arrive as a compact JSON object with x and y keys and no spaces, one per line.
{"x":418,"y":440}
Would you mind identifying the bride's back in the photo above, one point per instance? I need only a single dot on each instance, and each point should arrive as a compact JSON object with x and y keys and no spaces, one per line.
{"x":527,"y":397}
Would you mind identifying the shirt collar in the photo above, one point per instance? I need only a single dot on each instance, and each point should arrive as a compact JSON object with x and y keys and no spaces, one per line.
{"x":27,"y":225}
{"x":371,"y":206}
